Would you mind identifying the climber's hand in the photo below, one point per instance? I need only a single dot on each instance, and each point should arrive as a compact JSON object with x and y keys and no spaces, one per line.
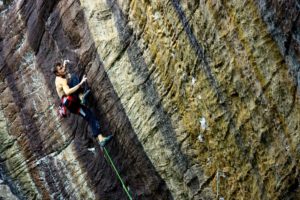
{"x":84,"y":78}
{"x":66,"y":61}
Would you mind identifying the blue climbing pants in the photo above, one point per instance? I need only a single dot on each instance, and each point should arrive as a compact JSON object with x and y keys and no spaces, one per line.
{"x":72,"y":103}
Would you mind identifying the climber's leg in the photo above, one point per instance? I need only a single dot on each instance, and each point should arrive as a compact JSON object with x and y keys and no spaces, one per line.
{"x":93,"y":122}
{"x":83,"y":97}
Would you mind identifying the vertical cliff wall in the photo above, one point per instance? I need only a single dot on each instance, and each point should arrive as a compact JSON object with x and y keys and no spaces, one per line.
{"x":201,"y":96}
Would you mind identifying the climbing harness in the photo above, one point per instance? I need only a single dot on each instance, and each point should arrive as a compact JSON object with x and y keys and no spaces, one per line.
{"x":68,"y":102}
{"x":126,"y":189}
{"x":71,"y":102}
{"x":62,"y":111}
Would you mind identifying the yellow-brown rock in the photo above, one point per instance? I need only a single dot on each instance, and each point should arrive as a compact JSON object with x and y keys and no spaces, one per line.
{"x":201,"y":96}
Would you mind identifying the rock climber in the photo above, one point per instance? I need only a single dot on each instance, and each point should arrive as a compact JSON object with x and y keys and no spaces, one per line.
{"x":69,"y":90}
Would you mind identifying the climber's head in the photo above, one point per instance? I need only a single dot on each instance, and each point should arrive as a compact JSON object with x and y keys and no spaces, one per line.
{"x":59,"y":69}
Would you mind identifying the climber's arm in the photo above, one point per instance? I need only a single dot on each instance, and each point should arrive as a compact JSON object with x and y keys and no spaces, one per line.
{"x":68,"y":90}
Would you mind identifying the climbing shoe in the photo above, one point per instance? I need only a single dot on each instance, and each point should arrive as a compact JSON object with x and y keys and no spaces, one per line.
{"x":84,"y":96}
{"x":105,"y":140}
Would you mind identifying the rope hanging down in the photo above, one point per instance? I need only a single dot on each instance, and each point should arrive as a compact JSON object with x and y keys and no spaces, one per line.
{"x":117,"y":173}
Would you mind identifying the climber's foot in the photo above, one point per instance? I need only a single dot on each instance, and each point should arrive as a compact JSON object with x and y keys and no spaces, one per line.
{"x":105,"y":140}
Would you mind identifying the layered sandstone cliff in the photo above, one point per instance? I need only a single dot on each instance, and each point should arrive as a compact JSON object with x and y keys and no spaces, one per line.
{"x":201,"y":96}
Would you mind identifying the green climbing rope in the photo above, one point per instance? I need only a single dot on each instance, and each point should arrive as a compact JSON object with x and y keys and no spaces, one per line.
{"x":117,"y":173}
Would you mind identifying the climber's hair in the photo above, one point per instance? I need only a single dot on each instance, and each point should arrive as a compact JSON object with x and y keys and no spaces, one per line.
{"x":55,"y":66}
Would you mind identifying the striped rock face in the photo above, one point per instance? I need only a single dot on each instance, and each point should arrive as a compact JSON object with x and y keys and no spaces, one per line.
{"x":201,"y":96}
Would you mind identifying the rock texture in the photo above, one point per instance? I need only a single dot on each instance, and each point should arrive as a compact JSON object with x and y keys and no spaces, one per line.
{"x":201,"y":96}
